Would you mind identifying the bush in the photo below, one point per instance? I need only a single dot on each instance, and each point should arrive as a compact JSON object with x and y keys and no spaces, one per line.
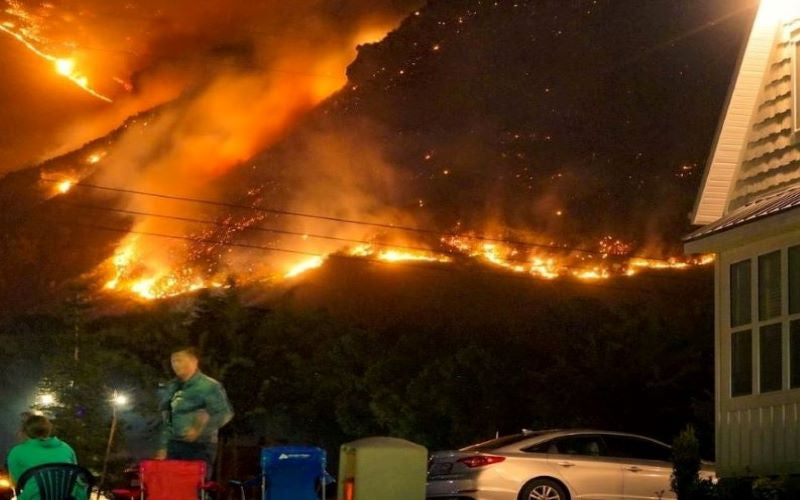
{"x":765,"y":488}
{"x":686,"y":464}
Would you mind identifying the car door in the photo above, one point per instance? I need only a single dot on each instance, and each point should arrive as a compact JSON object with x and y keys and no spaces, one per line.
{"x":646,"y":466}
{"x":579,"y":460}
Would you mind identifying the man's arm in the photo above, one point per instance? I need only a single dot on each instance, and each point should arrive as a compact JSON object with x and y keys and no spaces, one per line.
{"x":218,"y":408}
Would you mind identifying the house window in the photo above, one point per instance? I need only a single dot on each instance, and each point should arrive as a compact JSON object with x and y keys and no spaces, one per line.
{"x":794,"y":280}
{"x":769,"y":286}
{"x":741,"y":363}
{"x":794,"y":354}
{"x":740,"y":293}
{"x":770,"y":358}
{"x":765,"y":323}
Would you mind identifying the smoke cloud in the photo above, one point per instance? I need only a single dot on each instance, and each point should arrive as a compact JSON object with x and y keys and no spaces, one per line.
{"x":209,"y":85}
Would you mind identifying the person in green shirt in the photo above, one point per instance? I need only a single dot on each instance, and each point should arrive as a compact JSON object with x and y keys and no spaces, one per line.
{"x":193,"y":408}
{"x":38,"y":448}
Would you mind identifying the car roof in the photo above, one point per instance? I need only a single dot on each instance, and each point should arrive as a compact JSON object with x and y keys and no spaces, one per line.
{"x":546,"y":435}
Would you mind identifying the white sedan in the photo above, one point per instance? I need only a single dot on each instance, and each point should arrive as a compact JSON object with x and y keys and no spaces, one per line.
{"x":556,"y":465}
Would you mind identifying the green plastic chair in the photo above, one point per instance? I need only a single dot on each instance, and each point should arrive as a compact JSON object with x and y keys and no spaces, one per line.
{"x":58,"y":481}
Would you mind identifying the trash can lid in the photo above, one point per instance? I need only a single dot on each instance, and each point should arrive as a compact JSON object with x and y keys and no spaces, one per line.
{"x":383,"y":442}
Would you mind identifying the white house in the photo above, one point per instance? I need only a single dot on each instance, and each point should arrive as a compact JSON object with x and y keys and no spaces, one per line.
{"x":749,"y":204}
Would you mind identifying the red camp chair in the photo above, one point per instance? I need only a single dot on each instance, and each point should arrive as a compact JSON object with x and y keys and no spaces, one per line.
{"x":169,"y":480}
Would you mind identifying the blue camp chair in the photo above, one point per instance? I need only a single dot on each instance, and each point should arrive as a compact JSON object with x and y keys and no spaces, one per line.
{"x":57,"y":481}
{"x":290,"y":473}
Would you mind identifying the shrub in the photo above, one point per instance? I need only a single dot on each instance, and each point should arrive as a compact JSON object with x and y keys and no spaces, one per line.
{"x":686,"y":464}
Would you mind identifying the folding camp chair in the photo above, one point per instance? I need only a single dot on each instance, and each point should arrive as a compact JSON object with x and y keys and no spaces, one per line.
{"x":168,"y":480}
{"x":290,"y":473}
{"x":58,"y":481}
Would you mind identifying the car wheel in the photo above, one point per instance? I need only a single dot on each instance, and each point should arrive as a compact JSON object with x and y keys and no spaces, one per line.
{"x":543,"y":489}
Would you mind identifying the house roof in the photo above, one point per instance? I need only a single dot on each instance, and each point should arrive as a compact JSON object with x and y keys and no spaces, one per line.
{"x":740,"y":108}
{"x":770,"y":205}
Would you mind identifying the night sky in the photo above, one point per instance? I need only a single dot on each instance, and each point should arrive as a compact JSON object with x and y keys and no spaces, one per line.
{"x":573,"y":120}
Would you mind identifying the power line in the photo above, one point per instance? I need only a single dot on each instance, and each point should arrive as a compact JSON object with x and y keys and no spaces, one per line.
{"x":192,"y":239}
{"x":248,"y":228}
{"x":381,"y":225}
{"x":306,"y":234}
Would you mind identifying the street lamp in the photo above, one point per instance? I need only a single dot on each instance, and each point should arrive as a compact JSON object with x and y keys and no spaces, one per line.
{"x":118,"y":400}
{"x":47,"y":399}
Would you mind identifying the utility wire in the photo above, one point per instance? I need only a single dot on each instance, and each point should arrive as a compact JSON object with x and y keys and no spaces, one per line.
{"x":247,"y":228}
{"x":345,"y":220}
{"x":442,"y":253}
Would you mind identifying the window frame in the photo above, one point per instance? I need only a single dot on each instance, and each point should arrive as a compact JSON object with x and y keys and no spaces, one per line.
{"x":752,"y":254}
{"x":642,"y":441}
{"x":603,"y":447}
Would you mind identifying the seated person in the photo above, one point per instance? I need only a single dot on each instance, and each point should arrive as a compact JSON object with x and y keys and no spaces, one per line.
{"x":38,"y":448}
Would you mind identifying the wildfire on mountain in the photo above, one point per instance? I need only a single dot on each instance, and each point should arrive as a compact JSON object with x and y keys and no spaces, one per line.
{"x":28,"y":34}
{"x":207,"y":186}
{"x":130,"y":275}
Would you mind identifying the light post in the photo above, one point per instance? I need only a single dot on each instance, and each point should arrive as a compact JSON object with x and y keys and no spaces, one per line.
{"x":118,"y":400}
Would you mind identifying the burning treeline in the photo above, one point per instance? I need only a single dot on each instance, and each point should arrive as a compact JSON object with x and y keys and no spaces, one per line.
{"x":226,"y":81}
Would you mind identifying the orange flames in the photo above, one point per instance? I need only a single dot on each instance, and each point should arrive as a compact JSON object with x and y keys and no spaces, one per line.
{"x":129,"y":275}
{"x":301,"y":267}
{"x":64,"y":186}
{"x":395,"y":255}
{"x":58,"y":184}
{"x":65,"y":67}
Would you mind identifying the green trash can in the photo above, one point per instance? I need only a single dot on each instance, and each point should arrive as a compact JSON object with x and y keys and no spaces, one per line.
{"x":382,"y":468}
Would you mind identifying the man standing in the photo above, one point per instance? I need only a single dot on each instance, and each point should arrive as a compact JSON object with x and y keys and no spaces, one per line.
{"x":193,"y":408}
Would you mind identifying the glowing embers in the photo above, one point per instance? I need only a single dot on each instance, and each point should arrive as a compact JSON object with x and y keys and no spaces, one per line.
{"x":130,"y":276}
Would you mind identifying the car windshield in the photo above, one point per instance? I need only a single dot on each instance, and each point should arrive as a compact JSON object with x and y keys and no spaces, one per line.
{"x":502,"y":441}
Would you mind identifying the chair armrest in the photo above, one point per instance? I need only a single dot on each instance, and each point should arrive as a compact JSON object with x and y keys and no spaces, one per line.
{"x":211,"y":486}
{"x":126,"y":492}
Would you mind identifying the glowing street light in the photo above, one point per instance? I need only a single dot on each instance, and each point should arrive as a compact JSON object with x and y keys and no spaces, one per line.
{"x":119,"y":399}
{"x":47,"y":399}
